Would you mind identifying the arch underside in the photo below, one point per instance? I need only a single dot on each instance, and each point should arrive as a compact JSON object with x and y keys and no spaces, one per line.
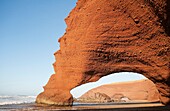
{"x":105,"y":37}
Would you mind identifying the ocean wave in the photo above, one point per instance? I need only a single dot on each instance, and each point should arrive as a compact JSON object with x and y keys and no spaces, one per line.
{"x":14,"y":102}
{"x":5,"y":100}
{"x":3,"y":97}
{"x":24,"y":96}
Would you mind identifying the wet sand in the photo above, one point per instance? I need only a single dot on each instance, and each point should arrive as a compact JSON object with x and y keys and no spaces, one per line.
{"x":89,"y":107}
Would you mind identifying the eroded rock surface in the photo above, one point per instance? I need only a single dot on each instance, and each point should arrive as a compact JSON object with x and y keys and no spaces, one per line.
{"x":94,"y":97}
{"x":140,"y":90}
{"x":108,"y":36}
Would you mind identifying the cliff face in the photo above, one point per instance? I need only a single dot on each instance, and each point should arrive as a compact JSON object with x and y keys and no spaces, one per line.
{"x":108,"y":36}
{"x":144,"y":90}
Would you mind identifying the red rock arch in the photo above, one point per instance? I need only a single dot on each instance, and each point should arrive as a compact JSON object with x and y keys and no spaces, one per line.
{"x":109,"y":36}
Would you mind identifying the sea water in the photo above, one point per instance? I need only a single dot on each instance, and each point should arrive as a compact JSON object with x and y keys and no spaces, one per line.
{"x":19,"y":99}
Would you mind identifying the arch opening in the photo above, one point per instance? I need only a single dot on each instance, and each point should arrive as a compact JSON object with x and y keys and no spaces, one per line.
{"x":117,"y":87}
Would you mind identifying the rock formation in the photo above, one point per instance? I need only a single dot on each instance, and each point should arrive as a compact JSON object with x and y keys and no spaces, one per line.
{"x":140,"y":90}
{"x":94,"y":97}
{"x":109,"y":36}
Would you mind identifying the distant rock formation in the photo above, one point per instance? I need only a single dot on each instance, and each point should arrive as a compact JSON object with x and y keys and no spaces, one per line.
{"x":96,"y":98}
{"x":140,"y":90}
{"x":109,"y":36}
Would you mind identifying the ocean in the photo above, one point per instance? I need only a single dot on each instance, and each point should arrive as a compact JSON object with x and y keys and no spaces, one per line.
{"x":19,"y":99}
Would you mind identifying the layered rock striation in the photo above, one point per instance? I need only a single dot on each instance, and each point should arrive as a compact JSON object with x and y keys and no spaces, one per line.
{"x":109,"y":36}
{"x":140,"y":90}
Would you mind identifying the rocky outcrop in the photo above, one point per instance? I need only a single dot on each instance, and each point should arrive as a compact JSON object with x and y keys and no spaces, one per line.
{"x":96,"y":97}
{"x":140,"y":90}
{"x":108,"y":36}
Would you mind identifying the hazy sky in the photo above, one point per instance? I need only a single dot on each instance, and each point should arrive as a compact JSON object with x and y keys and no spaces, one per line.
{"x":29,"y":31}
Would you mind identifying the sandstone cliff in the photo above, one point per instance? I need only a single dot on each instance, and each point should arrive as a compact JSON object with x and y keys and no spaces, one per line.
{"x":109,"y":36}
{"x":140,"y":90}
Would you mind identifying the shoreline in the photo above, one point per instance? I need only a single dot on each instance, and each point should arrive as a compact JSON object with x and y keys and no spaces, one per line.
{"x":91,"y":107}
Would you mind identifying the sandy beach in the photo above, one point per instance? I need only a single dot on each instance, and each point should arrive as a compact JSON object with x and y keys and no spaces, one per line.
{"x":91,"y":107}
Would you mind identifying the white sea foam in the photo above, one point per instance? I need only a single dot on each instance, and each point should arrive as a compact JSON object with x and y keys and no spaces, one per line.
{"x":4,"y":100}
{"x":5,"y":97}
